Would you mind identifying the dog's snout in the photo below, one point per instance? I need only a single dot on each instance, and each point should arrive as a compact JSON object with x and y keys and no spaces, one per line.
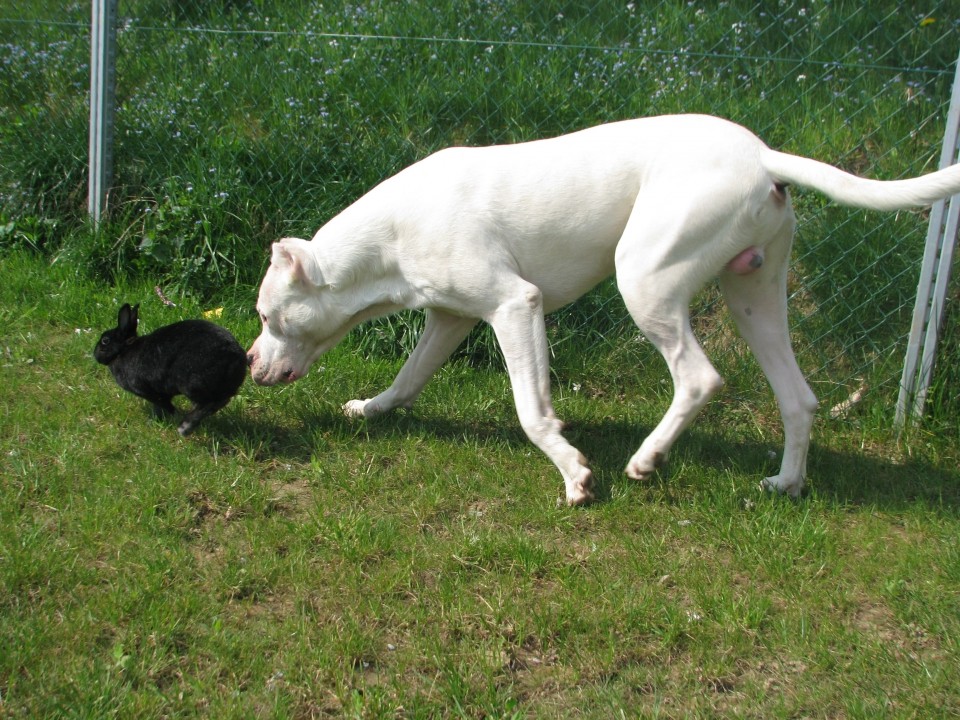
{"x":250,"y":359}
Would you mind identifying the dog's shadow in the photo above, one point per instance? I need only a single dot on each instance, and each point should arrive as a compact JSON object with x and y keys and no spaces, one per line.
{"x":852,"y":477}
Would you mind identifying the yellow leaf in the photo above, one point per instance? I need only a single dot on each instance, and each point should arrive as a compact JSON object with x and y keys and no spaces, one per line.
{"x":927,"y":21}
{"x":215,"y":313}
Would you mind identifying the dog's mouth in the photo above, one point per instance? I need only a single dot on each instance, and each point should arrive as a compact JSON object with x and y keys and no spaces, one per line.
{"x":284,"y":377}
{"x":270,"y":367}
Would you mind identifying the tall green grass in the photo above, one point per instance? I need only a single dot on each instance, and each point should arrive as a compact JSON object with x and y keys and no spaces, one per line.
{"x":241,"y":122}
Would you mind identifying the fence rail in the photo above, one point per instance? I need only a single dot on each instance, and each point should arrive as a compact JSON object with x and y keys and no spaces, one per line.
{"x":238,"y":121}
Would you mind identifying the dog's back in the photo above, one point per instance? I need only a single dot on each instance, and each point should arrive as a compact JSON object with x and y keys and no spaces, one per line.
{"x":554,"y":210}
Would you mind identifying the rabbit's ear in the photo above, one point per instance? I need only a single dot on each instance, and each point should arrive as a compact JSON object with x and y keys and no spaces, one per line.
{"x":127,"y":319}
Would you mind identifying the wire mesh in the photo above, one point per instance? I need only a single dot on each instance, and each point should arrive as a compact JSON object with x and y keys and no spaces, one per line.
{"x":240,"y":121}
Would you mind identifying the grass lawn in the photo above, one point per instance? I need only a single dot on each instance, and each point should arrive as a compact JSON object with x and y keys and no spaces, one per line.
{"x":288,"y":562}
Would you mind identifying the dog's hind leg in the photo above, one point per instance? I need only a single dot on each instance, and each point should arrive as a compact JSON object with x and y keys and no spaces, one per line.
{"x":518,"y":323}
{"x":442,"y":334}
{"x":758,"y":303}
{"x":658,"y":270}
{"x":665,"y":321}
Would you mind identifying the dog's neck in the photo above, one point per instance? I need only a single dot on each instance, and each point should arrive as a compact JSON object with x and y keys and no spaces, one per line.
{"x":358,"y":259}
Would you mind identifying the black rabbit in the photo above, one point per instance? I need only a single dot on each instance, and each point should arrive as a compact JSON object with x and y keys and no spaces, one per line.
{"x":195,"y":358}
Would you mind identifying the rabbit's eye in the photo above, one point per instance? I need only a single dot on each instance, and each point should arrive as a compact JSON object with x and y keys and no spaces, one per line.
{"x":105,"y":341}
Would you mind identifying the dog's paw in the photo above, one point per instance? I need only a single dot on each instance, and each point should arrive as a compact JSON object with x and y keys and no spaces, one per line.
{"x":641,"y":468}
{"x":783,"y":486}
{"x":580,"y":491}
{"x":356,"y":408}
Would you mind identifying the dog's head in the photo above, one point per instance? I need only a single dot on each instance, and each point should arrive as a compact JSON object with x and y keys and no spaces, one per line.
{"x":300,"y":317}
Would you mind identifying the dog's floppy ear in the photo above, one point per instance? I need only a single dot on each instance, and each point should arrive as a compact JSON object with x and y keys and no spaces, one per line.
{"x":292,"y":256}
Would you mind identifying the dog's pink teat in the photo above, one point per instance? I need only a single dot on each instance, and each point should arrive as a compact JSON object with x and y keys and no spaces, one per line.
{"x":747,"y":261}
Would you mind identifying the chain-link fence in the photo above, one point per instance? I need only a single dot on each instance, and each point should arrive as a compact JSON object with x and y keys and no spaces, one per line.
{"x":240,"y":121}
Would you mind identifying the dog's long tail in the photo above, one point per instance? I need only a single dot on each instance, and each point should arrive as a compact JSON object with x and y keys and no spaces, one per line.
{"x":847,"y":189}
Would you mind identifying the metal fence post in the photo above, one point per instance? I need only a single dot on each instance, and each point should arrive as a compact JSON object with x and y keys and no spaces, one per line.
{"x":102,"y":76}
{"x":934,"y":279}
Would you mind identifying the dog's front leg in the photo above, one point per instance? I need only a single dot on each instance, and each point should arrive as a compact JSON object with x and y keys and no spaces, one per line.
{"x":520,"y":329}
{"x":442,"y":334}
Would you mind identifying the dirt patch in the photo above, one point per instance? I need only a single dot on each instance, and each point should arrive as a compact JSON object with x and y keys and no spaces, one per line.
{"x":877,"y":622}
{"x":291,"y":498}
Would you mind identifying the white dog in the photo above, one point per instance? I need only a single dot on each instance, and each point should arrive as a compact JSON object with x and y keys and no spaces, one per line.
{"x":508,"y":233}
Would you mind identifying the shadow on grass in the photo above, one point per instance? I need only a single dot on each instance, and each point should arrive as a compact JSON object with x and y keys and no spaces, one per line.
{"x":843,"y":477}
{"x":849,"y":477}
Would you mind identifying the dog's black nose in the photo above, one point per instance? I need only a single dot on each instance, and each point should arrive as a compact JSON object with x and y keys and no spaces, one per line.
{"x":249,"y":359}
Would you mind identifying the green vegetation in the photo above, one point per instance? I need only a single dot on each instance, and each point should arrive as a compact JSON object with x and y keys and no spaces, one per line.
{"x":288,"y":562}
{"x":239,"y":122}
